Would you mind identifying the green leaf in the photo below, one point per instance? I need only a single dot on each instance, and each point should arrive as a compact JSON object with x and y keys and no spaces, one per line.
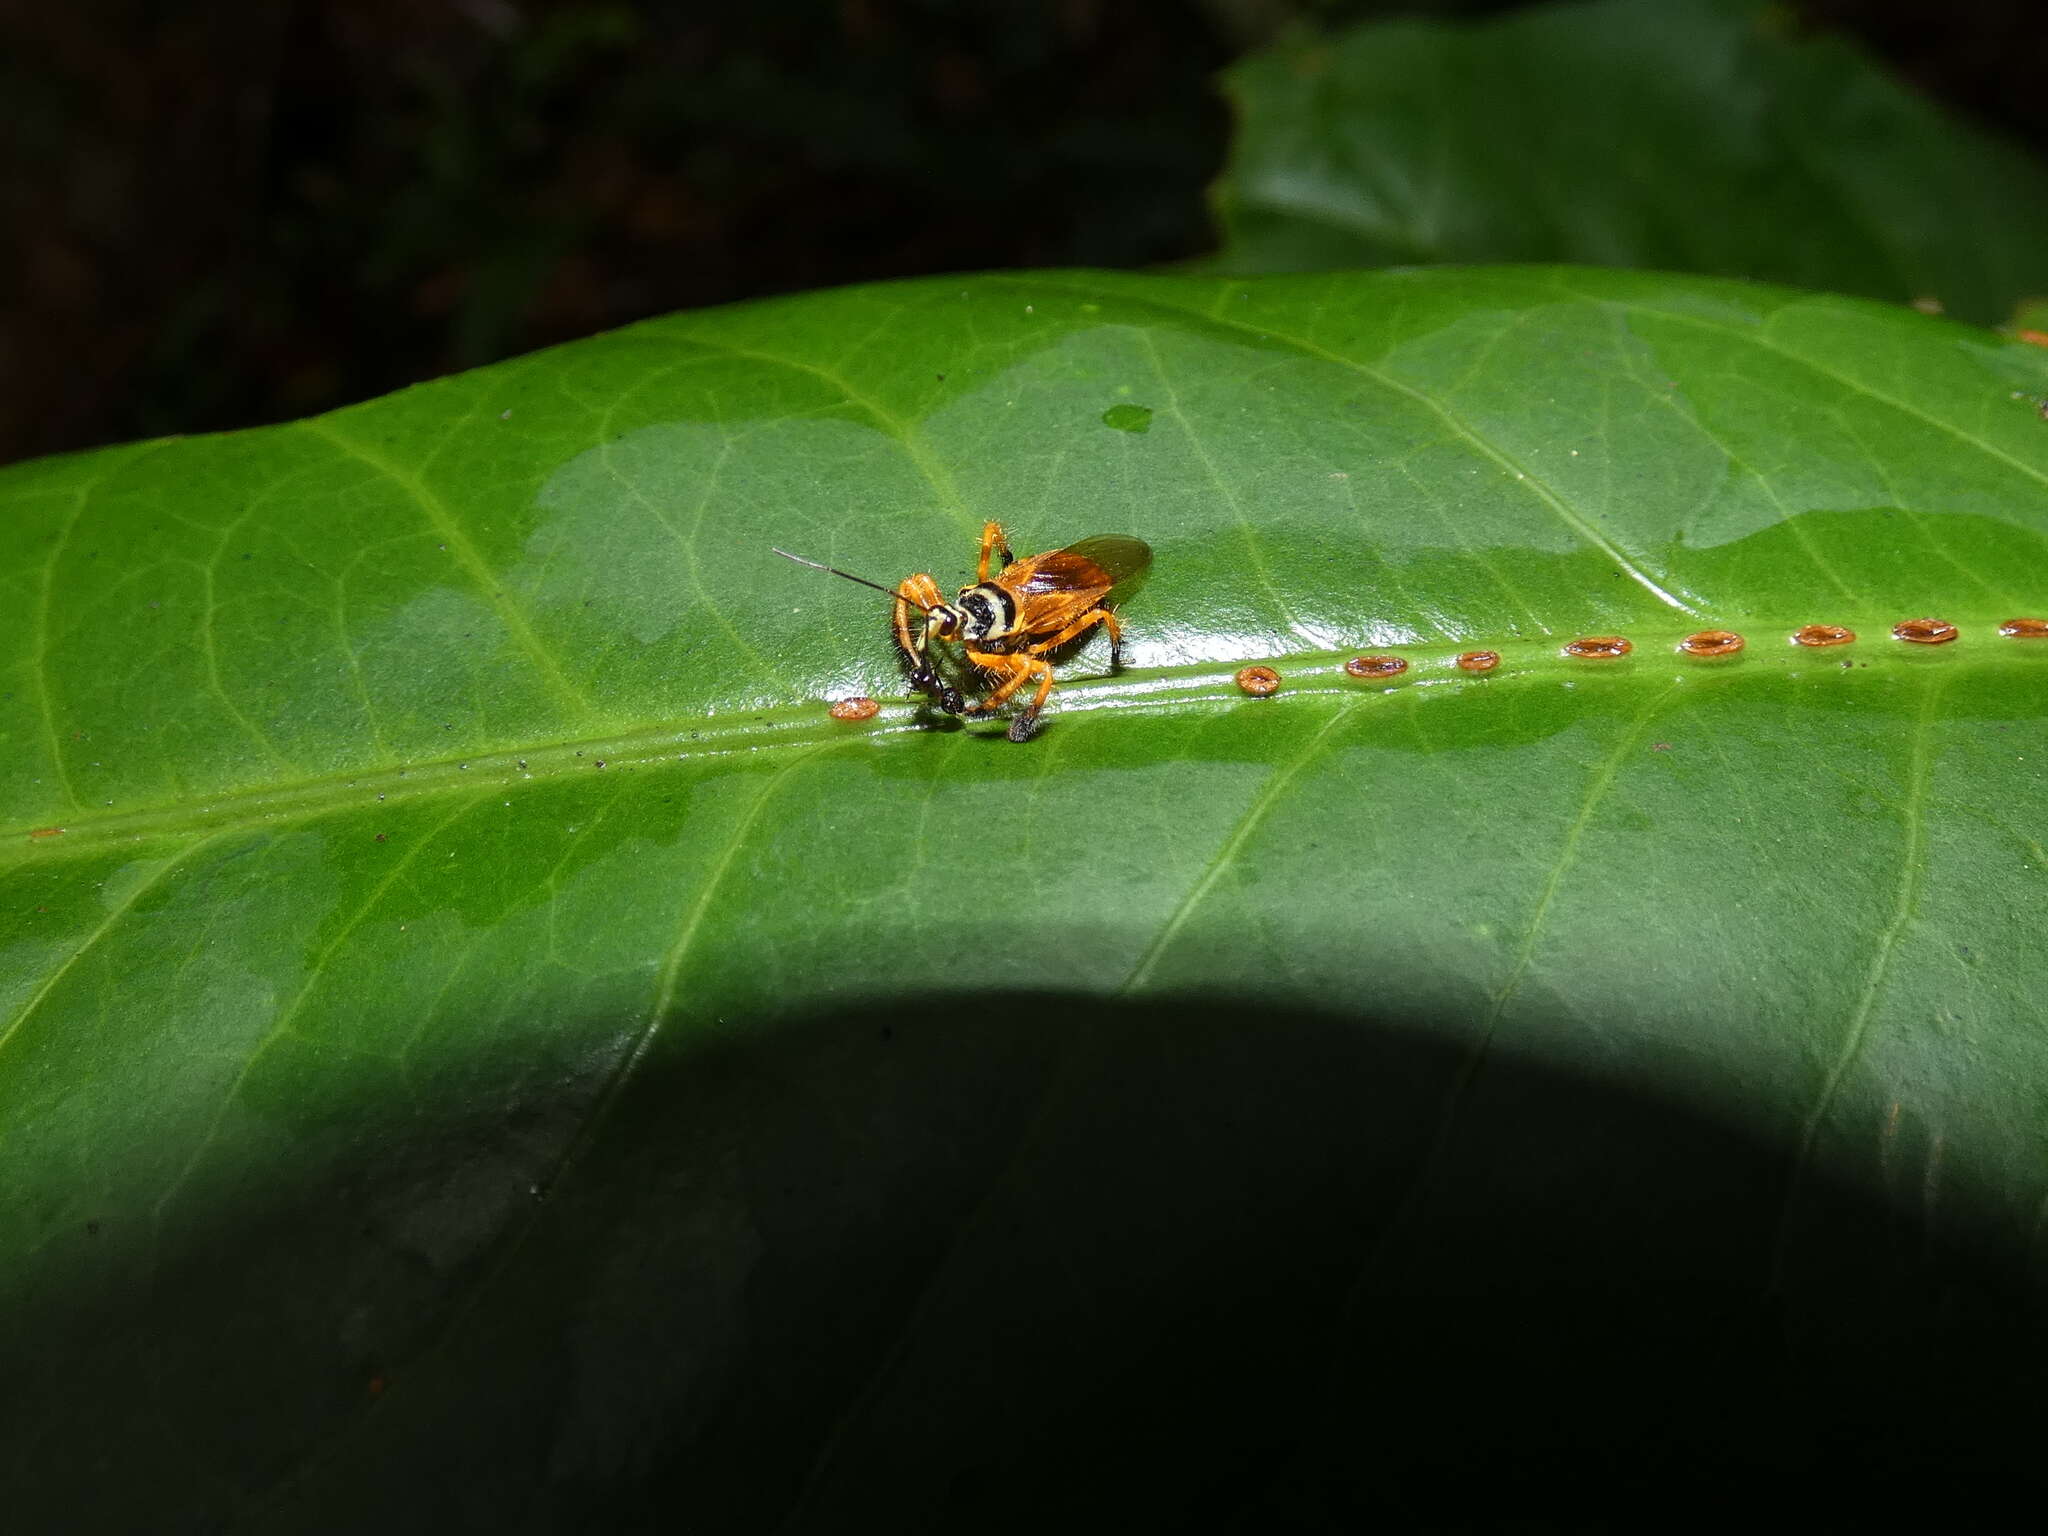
{"x":1693,"y":135}
{"x":482,"y":1046}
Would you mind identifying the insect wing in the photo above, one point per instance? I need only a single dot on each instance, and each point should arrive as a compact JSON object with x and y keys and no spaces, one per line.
{"x":1125,"y":558}
{"x":1059,"y":570}
{"x":1104,"y":562}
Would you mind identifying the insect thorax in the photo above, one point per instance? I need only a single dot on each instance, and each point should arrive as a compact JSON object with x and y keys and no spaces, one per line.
{"x":986,"y":612}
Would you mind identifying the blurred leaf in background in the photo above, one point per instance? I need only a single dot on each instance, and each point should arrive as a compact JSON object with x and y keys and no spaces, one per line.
{"x":1707,"y":136}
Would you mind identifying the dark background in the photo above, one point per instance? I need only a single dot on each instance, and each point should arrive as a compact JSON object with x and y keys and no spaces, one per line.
{"x":218,"y":216}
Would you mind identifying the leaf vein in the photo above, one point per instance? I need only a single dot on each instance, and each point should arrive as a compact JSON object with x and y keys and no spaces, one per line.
{"x":467,"y":556}
{"x":280,"y":1026}
{"x":105,"y":927}
{"x":1856,"y":1035}
{"x":1226,"y":852}
{"x":1629,"y":565}
{"x":929,"y":466}
{"x":1760,"y":338}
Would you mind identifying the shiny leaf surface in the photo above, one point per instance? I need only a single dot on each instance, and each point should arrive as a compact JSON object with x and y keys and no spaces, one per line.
{"x":482,"y":1046}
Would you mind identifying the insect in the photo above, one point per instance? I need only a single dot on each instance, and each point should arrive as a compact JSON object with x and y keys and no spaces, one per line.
{"x":1009,"y":623}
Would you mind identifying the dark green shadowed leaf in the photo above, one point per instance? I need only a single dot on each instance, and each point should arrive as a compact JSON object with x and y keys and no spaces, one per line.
{"x":1695,"y":135}
{"x":481,"y":1047}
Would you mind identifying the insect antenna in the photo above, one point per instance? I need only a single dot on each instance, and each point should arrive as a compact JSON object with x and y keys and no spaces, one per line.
{"x":816,"y":566}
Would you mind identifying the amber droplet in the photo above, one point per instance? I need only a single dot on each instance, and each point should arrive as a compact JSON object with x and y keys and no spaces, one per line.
{"x":1478,"y":661}
{"x":1375,"y":666}
{"x":1823,"y":634}
{"x":2024,"y":629}
{"x":1924,"y":631}
{"x":47,"y":832}
{"x":1599,"y":647}
{"x":1259,"y":681}
{"x":1712,"y":642}
{"x":856,"y":709}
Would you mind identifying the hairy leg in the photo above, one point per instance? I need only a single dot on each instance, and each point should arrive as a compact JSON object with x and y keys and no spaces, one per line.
{"x":1015,"y":672}
{"x":922,"y":592}
{"x":1081,"y":626}
{"x":992,"y":539}
{"x":1026,"y":723}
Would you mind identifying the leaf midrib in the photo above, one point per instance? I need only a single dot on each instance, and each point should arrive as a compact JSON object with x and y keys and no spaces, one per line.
{"x":1533,"y":662}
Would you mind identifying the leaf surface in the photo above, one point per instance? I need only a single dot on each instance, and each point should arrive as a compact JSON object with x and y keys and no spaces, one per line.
{"x":482,"y":1044}
{"x":1693,"y":135}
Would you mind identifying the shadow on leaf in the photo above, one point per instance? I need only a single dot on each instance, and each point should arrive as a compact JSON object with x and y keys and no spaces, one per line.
{"x":979,"y":1264}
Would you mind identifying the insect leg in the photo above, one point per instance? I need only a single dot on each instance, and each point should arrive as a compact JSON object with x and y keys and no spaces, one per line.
{"x":1018,"y":669}
{"x":1026,"y":723}
{"x":912,"y":646}
{"x":992,"y":539}
{"x":1080,"y":626}
{"x":921,"y":591}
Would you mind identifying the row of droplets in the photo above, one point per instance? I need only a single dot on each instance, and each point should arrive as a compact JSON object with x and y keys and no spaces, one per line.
{"x":1262,"y":680}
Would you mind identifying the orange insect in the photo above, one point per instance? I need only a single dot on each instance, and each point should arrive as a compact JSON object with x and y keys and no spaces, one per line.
{"x":1010,"y":623}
